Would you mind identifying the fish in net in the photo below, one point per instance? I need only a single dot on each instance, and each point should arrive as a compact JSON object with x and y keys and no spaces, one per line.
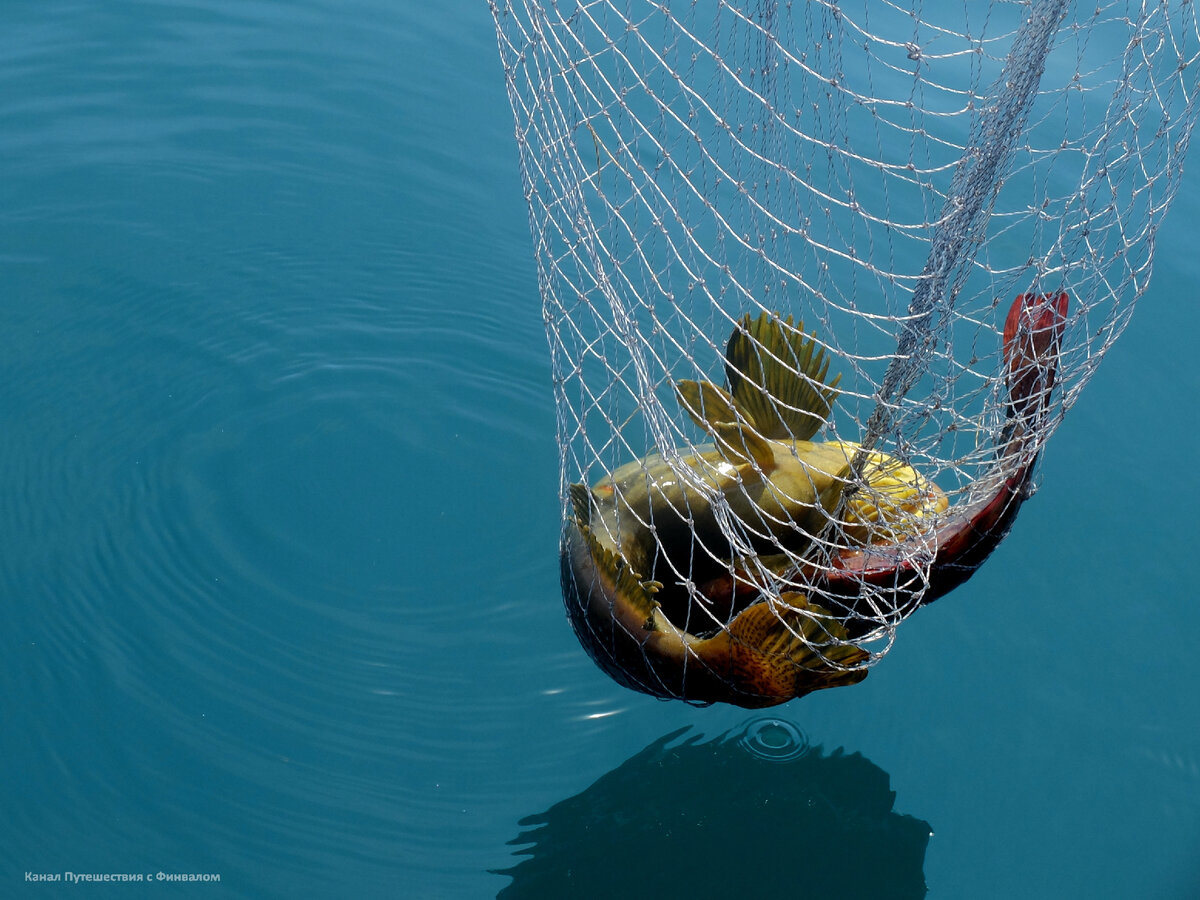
{"x":820,"y":280}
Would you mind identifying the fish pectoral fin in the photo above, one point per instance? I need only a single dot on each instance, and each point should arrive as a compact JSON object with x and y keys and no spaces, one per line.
{"x":705,"y":402}
{"x":786,"y":651}
{"x":741,"y":445}
{"x":627,"y":586}
{"x":778,"y":377}
{"x":737,"y":441}
{"x":831,"y":496}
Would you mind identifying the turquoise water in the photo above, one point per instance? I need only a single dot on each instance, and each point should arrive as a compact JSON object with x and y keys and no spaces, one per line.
{"x":280,"y":522}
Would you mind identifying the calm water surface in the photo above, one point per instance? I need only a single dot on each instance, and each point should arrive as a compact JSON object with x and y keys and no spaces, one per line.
{"x":278,"y":506}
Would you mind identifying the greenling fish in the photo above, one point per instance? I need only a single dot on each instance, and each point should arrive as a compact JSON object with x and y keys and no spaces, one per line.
{"x":648,"y":569}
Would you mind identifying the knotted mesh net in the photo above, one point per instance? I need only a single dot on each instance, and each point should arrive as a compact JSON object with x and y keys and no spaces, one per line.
{"x":820,"y":279}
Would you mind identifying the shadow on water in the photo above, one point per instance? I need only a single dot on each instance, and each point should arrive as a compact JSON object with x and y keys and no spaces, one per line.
{"x":754,"y":811}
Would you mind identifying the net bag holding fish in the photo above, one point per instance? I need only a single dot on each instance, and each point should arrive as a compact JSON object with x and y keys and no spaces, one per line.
{"x":820,"y":280}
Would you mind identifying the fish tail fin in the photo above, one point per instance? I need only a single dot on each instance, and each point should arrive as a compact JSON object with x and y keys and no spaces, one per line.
{"x":783,"y":652}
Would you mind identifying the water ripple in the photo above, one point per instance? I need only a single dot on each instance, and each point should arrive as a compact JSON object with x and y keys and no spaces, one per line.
{"x":279,"y":475}
{"x":259,"y":558}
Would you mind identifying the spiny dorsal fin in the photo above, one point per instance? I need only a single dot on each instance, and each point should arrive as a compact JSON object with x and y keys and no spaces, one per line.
{"x":626,"y":584}
{"x":777,"y":377}
{"x":705,"y":402}
{"x":741,"y":445}
{"x":582,"y":502}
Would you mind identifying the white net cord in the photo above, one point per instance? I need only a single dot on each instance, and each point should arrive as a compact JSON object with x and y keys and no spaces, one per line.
{"x":820,"y":280}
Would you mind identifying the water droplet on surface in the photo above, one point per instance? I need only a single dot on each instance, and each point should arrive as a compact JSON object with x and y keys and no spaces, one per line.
{"x":774,"y":739}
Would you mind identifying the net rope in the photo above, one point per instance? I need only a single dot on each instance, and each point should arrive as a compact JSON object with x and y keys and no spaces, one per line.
{"x":957,"y":200}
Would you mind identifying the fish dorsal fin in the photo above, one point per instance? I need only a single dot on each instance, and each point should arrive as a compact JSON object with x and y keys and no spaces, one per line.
{"x":626,"y":584}
{"x":777,"y":377}
{"x":741,"y":445}
{"x":582,"y":503}
{"x":705,"y":402}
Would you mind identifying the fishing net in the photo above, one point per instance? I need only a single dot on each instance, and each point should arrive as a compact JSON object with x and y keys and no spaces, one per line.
{"x":820,"y":280}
